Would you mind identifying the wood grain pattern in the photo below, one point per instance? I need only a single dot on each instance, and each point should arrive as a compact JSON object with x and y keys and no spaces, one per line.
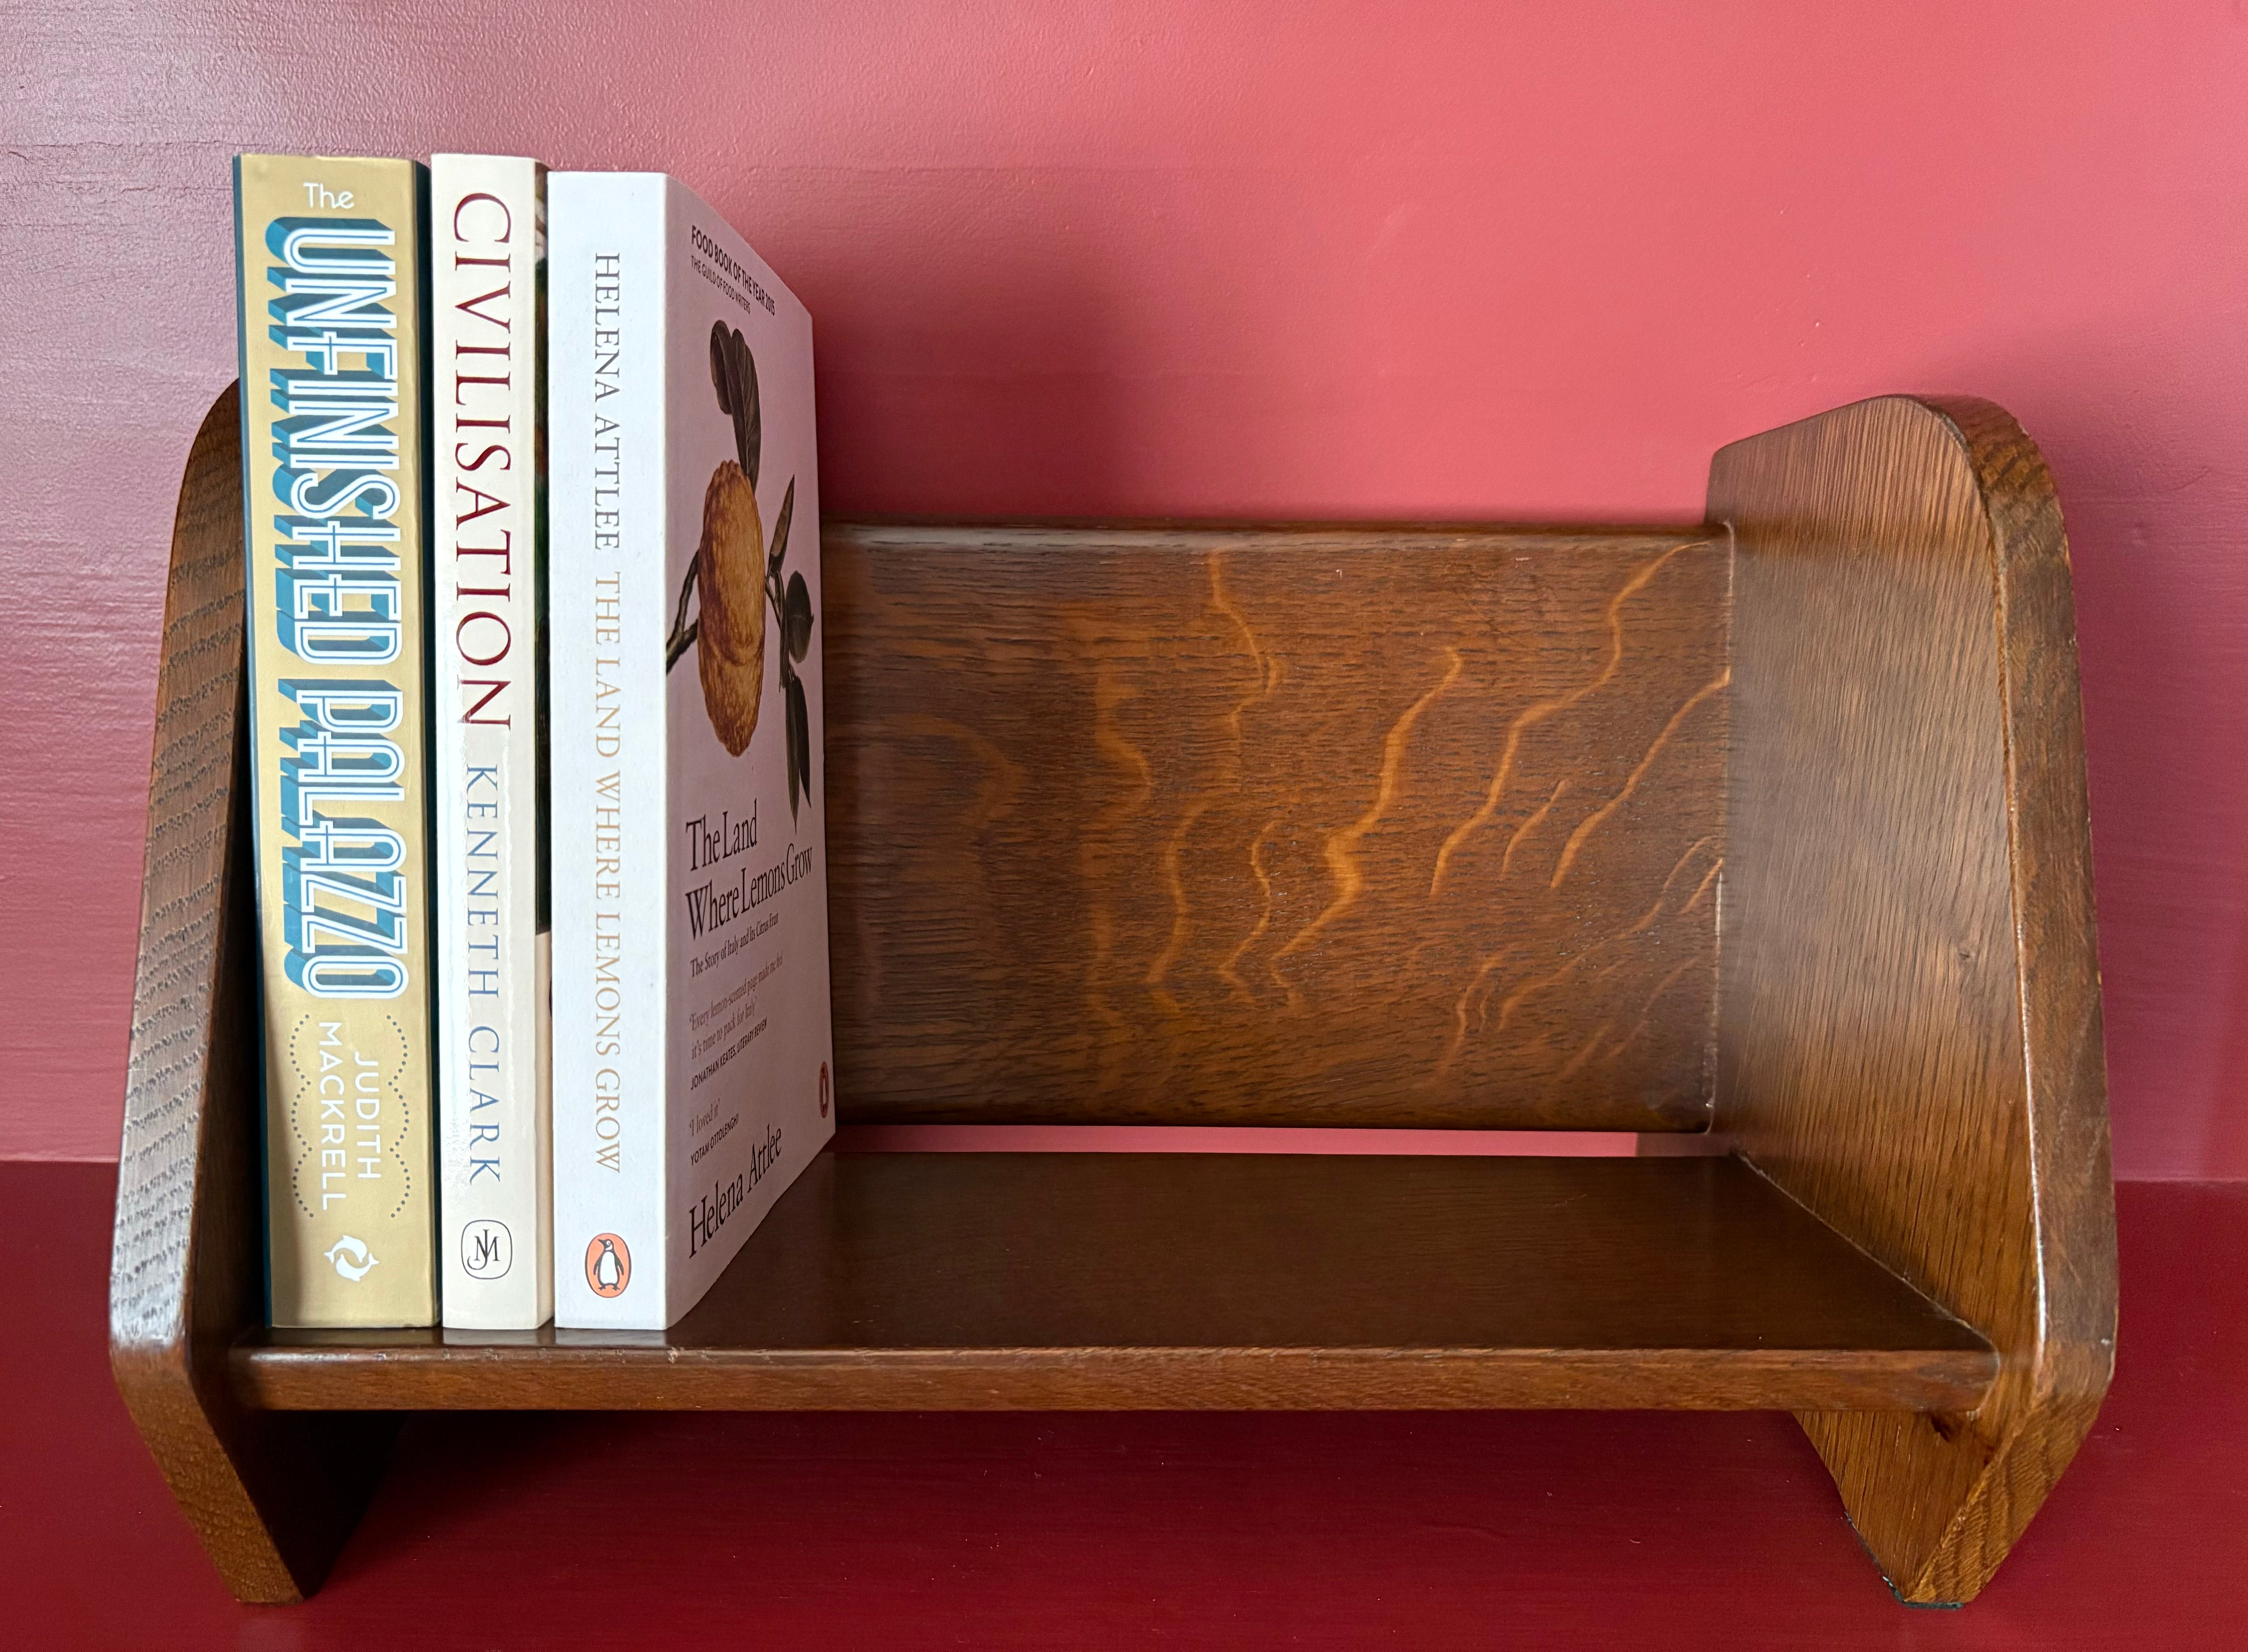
{"x":1490,"y":790}
{"x":1056,"y":1281}
{"x":1383,"y":826}
{"x":1909,"y":1033}
{"x":272,"y":1497}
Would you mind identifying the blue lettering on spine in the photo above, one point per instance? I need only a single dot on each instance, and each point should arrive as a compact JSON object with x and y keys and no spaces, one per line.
{"x":338,"y":602}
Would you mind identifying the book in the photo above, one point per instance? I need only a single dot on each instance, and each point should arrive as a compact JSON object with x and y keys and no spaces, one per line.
{"x":487,"y":273}
{"x":330,"y":313}
{"x":693,"y":1043}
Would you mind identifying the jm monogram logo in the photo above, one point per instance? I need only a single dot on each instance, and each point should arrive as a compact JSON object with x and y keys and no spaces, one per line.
{"x":487,"y":1249}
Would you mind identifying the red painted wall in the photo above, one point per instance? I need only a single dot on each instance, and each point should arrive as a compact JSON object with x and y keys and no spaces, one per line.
{"x":1295,"y":259}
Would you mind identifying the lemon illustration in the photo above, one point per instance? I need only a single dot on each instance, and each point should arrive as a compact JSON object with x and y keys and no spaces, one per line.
{"x":730,"y":569}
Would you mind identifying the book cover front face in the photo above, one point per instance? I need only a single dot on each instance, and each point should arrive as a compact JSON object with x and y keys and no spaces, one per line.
{"x":748,"y":1040}
{"x":329,"y":261}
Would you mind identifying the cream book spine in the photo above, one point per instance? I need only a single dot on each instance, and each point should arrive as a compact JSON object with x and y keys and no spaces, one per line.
{"x":693,"y":1048}
{"x":487,"y":268}
{"x":330,"y":313}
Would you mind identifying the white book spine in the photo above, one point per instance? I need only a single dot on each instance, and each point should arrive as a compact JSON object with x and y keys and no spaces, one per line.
{"x":495,"y":1187}
{"x":694,"y":1044}
{"x":606,"y":426}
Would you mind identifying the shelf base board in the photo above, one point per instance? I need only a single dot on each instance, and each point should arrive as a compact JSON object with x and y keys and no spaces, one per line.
{"x":1182,"y":1281}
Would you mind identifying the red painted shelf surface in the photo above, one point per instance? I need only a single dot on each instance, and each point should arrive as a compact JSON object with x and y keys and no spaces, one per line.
{"x":1429,"y":1530}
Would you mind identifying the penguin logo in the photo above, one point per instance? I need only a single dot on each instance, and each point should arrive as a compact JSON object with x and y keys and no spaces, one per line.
{"x":608,"y":1264}
{"x":351,"y":1258}
{"x":823,"y":1089}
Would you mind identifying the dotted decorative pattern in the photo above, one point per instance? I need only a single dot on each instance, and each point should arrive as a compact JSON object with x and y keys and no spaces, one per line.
{"x":405,"y":1115}
{"x":303,"y":1086}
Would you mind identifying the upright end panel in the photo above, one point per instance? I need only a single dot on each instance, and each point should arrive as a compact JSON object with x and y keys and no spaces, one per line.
{"x":272,"y":1497}
{"x":1909,"y":1021}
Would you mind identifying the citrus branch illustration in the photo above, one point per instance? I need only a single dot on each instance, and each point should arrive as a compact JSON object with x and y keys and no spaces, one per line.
{"x":727,"y":629}
{"x":682,"y":629}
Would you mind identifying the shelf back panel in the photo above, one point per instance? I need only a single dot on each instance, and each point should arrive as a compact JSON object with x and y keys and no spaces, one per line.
{"x":1399,"y":827}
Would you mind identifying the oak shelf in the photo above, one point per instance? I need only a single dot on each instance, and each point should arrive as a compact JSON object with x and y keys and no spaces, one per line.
{"x":1032,"y":1281}
{"x":1766,"y":836}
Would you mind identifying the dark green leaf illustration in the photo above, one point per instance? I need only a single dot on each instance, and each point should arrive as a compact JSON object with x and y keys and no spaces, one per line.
{"x":734,"y":375}
{"x":800,"y":743}
{"x":780,"y":532}
{"x":796,"y":617}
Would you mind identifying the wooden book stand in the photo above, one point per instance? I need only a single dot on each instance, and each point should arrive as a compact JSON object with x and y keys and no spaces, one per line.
{"x":1773,"y":829}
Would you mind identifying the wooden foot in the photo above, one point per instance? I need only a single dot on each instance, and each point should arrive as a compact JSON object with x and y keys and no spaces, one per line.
{"x":1939,"y":1500}
{"x":272,"y":1497}
{"x":271,"y":1494}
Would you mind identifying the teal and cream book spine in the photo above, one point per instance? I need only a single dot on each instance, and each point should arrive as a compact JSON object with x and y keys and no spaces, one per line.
{"x":332,"y":310}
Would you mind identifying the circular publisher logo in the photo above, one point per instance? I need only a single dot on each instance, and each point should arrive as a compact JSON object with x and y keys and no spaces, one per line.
{"x":823,"y":1089}
{"x":608,"y":1264}
{"x":351,"y":1258}
{"x":487,"y":1249}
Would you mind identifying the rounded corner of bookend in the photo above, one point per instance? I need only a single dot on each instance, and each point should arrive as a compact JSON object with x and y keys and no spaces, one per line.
{"x":222,"y":419}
